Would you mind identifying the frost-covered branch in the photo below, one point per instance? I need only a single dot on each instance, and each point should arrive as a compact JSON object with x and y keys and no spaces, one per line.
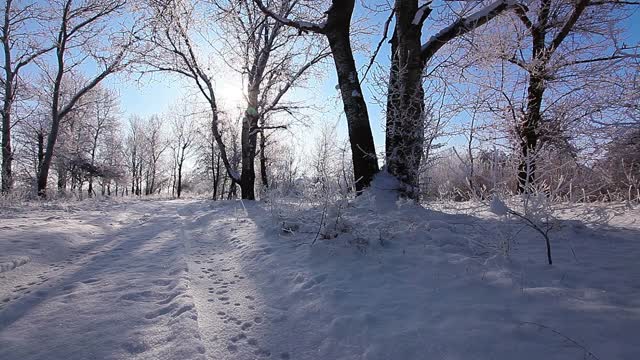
{"x":465,"y":25}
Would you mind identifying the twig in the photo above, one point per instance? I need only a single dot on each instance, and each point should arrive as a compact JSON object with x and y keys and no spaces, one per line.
{"x":534,"y":226}
{"x":375,"y":53}
{"x":574,"y":342}
{"x":324,"y":211}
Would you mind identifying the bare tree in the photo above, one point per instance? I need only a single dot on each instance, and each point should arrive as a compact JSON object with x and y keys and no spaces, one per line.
{"x":102,"y":118}
{"x":173,"y":51}
{"x":183,"y":130}
{"x":549,"y":24}
{"x":557,"y":77}
{"x":273,"y":59}
{"x":155,"y":144}
{"x":85,"y":32}
{"x":134,"y":149}
{"x":336,"y":28}
{"x":409,"y":58}
{"x":21,"y":45}
{"x":113,"y":160}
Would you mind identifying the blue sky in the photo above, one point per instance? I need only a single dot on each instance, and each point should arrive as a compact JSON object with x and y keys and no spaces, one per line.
{"x":151,"y":96}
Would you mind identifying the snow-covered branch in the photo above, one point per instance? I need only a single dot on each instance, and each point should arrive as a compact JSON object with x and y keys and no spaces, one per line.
{"x":303,"y":26}
{"x":465,"y":25}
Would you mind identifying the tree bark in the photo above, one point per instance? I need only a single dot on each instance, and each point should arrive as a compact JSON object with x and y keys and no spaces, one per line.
{"x":7,"y":154}
{"x":215,"y":171}
{"x":535,"y":91}
{"x":529,"y":134}
{"x":363,"y":151}
{"x":249,"y":139}
{"x":93,"y":159}
{"x":43,"y":175}
{"x":405,"y":99}
{"x":179,"y":186}
{"x":405,"y":106}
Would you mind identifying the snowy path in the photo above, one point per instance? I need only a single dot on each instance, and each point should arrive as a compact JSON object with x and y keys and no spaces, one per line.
{"x":146,"y":280}
{"x":232,"y":317}
{"x":125,"y":295}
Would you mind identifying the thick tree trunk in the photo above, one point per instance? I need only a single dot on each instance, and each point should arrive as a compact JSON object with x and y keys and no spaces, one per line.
{"x":249,"y":135}
{"x":7,"y":155}
{"x":363,"y":152}
{"x":529,"y":135}
{"x":43,"y":174}
{"x":529,"y":129}
{"x":249,"y":139}
{"x":405,"y":100}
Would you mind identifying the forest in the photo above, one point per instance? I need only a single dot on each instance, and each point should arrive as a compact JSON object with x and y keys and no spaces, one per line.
{"x":475,"y":163}
{"x":542,"y":97}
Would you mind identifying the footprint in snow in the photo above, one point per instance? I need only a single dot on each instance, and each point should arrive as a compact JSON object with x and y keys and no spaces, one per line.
{"x":262,"y":352}
{"x":161,"y":282}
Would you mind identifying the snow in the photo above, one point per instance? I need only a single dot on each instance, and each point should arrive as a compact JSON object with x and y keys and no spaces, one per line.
{"x":300,"y":24}
{"x":498,"y":207}
{"x":12,"y":263}
{"x":386,"y":279}
{"x":309,"y":25}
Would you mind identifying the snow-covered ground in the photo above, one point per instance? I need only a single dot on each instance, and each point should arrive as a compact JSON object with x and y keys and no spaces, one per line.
{"x":196,"y":279}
